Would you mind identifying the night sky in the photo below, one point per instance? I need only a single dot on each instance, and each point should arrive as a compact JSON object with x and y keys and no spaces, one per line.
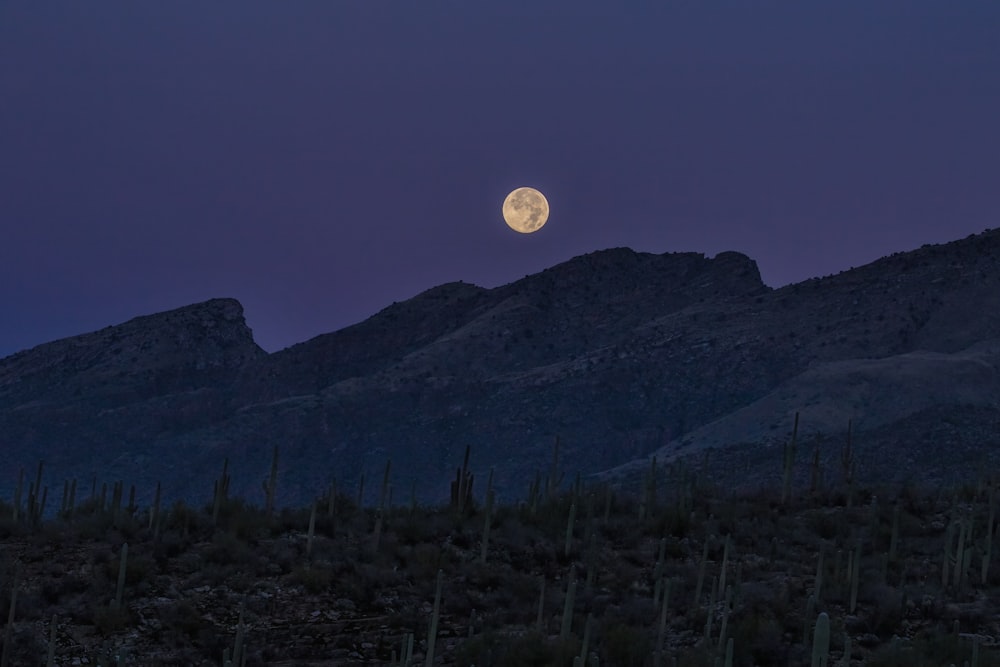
{"x":318,"y":160}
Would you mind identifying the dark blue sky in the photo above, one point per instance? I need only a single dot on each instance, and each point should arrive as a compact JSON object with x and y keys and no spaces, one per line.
{"x":318,"y":159}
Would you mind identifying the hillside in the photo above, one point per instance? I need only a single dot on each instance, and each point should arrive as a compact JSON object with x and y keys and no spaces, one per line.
{"x":619,"y":354}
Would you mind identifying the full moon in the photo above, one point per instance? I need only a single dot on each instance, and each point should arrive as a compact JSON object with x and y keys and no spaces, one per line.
{"x":525,"y":210}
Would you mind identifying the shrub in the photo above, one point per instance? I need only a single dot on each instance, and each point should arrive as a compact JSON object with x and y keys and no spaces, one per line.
{"x":503,"y":650}
{"x":313,"y":579}
{"x":625,"y":644}
{"x":108,"y":620}
{"x":182,"y":617}
{"x":227,"y":549}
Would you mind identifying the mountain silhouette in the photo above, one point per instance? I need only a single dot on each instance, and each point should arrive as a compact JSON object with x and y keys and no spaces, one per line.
{"x":618,"y":354}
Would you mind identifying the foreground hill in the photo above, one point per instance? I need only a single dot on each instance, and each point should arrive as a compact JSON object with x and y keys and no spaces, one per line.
{"x":619,"y":354}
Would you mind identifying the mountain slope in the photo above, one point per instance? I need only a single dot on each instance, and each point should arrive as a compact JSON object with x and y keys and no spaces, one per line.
{"x":620,"y":354}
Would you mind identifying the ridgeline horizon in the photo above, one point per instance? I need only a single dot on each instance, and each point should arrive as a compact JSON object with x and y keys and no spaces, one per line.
{"x":622,"y":355}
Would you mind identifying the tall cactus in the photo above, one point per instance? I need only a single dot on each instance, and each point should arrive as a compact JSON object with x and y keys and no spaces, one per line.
{"x":154,"y":512}
{"x":647,"y":502}
{"x":312,"y":531}
{"x":488,"y":518}
{"x":847,"y":466}
{"x":662,"y":628}
{"x":435,"y":614}
{"x":120,"y":590}
{"x":568,"y":605}
{"x":814,"y":476}
{"x":116,"y":502}
{"x":9,"y":630}
{"x":380,"y":514}
{"x":220,"y":492}
{"x":461,"y":486}
{"x":701,"y":574}
{"x":270,"y":484}
{"x":17,"y":495}
{"x":817,"y":589}
{"x":711,"y":608}
{"x":821,"y":641}
{"x":239,"y":651}
{"x":807,"y":619}
{"x":555,"y":477}
{"x":658,"y":569}
{"x":540,"y":622}
{"x":960,"y":553}
{"x":725,"y":563}
{"x":569,"y":529}
{"x":726,"y":607}
{"x":948,"y":556}
{"x":786,"y":486}
{"x":584,"y":648}
{"x":34,"y":492}
{"x":855,"y":577}
{"x":534,"y":492}
{"x":53,"y":625}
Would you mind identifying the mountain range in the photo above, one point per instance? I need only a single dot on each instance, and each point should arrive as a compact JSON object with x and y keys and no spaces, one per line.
{"x":619,"y":355}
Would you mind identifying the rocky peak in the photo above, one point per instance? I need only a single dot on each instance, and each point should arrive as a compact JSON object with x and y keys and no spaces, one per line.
{"x":619,"y":269}
{"x":173,"y":350}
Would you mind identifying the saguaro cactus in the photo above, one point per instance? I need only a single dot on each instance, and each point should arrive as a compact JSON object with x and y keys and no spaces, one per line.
{"x":821,"y":641}
{"x":123,"y":558}
{"x":568,"y":605}
{"x":239,"y":653}
{"x":817,"y":589}
{"x":855,"y":577}
{"x":51,"y":659}
{"x":461,"y":486}
{"x":154,"y":512}
{"x":380,"y":514}
{"x":34,"y":492}
{"x":488,"y":518}
{"x":271,"y":483}
{"x":847,"y":465}
{"x":647,"y":502}
{"x":9,"y":632}
{"x":435,"y":614}
{"x":789,"y":460}
{"x":725,"y":563}
{"x":312,"y":531}
{"x":17,"y":494}
{"x":540,"y":622}
{"x":701,"y":574}
{"x":221,"y":491}
{"x":569,"y":529}
{"x":555,"y":477}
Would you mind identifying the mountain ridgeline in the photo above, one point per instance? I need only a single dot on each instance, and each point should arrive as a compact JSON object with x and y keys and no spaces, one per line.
{"x":621,"y":355}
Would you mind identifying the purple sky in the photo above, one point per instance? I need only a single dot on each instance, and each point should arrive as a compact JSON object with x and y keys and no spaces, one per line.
{"x":318,"y":160}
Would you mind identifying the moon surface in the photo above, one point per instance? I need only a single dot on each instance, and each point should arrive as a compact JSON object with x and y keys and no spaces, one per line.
{"x":525,"y":210}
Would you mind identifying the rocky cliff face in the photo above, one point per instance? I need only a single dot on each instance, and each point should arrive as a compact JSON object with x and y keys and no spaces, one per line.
{"x":620,"y":354}
{"x":83,"y":402}
{"x":155,"y":355}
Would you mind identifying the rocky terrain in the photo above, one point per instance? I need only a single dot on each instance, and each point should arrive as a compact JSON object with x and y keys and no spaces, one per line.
{"x":620,"y":354}
{"x":686,"y":574}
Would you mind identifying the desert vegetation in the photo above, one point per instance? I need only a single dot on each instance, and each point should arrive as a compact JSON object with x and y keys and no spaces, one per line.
{"x":681,"y":572}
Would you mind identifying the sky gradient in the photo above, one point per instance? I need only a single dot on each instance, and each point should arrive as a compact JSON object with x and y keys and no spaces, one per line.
{"x":318,"y":160}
